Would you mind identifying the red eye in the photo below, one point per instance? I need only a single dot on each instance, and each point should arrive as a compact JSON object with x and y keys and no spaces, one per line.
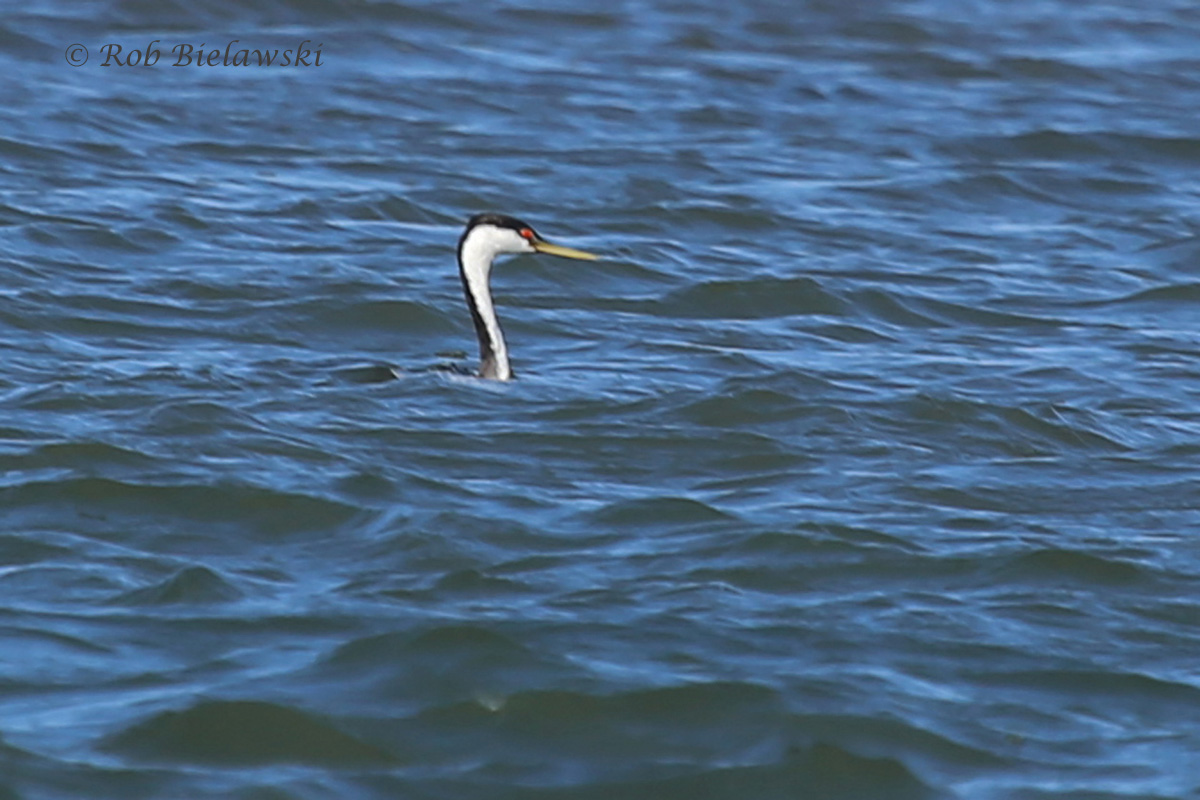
{"x":528,"y":233}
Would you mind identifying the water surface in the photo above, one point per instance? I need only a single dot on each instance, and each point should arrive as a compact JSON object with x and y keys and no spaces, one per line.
{"x":865,"y":465}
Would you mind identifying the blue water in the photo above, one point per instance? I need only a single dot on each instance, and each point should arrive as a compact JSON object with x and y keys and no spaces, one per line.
{"x":865,"y":465}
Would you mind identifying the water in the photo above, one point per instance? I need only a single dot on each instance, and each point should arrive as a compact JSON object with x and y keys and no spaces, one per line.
{"x":865,"y":465}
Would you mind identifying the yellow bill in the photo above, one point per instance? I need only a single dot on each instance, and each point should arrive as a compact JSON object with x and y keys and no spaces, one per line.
{"x":542,"y":246}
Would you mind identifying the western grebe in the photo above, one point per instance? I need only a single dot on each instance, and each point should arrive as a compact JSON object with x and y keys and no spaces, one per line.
{"x":488,"y":236}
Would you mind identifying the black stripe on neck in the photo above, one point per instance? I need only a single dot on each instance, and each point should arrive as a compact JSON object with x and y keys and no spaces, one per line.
{"x":487,"y":348}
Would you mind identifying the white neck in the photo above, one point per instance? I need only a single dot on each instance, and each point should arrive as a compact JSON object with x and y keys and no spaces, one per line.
{"x":475,"y":257}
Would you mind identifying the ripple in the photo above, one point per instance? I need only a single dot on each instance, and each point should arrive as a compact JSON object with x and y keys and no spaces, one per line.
{"x":662,"y":510}
{"x":1015,"y":430}
{"x":190,"y":586}
{"x":439,"y":666}
{"x":1058,"y":565}
{"x":266,"y":514}
{"x":829,"y":770}
{"x":79,"y":454}
{"x":1186,"y":294}
{"x":757,"y":299}
{"x":23,"y":151}
{"x":245,"y":733}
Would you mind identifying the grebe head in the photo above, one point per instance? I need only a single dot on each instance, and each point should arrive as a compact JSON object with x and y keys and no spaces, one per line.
{"x":486,"y":237}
